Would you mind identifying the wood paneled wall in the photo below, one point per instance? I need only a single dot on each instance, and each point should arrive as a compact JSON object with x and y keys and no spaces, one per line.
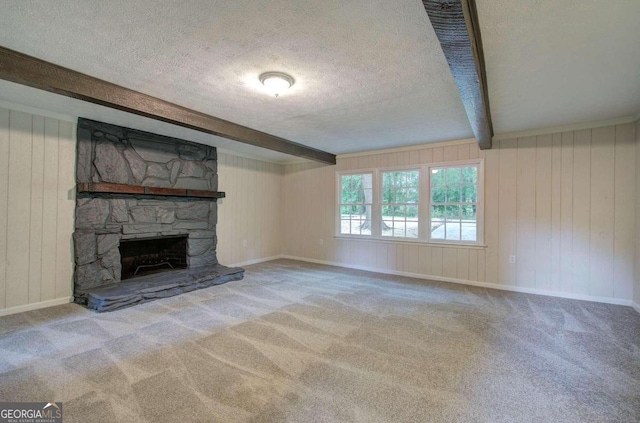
{"x":251,"y":212}
{"x":37,"y":162}
{"x":563,"y":204}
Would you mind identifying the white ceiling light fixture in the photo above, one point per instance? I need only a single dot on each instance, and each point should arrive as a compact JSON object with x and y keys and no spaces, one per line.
{"x":276,"y":82}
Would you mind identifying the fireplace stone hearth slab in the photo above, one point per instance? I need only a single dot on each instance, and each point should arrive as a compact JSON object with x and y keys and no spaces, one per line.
{"x":158,"y":285}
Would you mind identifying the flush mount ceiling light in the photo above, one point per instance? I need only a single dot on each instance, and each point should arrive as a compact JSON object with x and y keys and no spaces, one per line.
{"x":276,"y":82}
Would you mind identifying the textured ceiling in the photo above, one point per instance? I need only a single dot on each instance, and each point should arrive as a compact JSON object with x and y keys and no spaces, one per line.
{"x":369,"y":74}
{"x":560,"y":62}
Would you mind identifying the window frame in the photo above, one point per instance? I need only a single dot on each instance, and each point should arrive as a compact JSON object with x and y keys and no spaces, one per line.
{"x":479,"y":200}
{"x":374,"y":177}
{"x":424,"y":203}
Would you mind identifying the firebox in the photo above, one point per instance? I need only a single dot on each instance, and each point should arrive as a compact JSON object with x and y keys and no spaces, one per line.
{"x":151,"y":255}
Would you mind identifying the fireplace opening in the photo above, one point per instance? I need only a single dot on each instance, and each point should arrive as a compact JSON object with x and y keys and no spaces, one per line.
{"x":152,"y":255}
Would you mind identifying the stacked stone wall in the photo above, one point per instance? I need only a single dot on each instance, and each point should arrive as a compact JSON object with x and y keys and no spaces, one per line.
{"x":113,"y":154}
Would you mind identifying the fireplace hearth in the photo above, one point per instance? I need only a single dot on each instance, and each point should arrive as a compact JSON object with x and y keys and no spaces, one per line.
{"x":146,"y":214}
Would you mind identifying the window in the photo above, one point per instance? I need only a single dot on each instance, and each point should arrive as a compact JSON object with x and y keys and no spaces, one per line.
{"x":454,"y":203}
{"x":438,"y":203}
{"x":356,"y":200}
{"x":400,"y":200}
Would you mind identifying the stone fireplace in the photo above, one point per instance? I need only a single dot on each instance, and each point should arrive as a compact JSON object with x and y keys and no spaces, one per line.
{"x":146,"y":214}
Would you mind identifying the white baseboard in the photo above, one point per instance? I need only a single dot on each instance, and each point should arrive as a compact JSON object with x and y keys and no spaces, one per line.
{"x":607,"y":300}
{"x":635,"y":306}
{"x":35,"y":306}
{"x":256,"y":261}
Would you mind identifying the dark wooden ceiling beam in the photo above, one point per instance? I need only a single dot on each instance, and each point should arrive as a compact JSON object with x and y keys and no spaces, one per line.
{"x":456,"y":25}
{"x":26,"y":70}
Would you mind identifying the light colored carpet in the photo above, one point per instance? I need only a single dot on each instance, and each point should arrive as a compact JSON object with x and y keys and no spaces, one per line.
{"x":296,"y":342}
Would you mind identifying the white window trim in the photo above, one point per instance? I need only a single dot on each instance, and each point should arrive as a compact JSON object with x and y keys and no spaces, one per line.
{"x":374,"y":185}
{"x":424,"y":206}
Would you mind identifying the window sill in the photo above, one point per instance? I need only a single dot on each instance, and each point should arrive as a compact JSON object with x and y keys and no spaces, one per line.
{"x":411,"y":241}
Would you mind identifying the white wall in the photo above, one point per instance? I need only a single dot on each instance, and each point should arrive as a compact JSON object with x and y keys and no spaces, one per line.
{"x":37,"y":161}
{"x":563,"y":204}
{"x":251,"y":212}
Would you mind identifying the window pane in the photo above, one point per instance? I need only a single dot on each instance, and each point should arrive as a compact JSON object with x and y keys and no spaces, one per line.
{"x":366,"y":180}
{"x":398,"y":179}
{"x":413,"y":179}
{"x":412,"y":195}
{"x":469,"y":231}
{"x":387,"y":180}
{"x":437,"y":229}
{"x":368,"y":196}
{"x":452,"y":212}
{"x":438,"y":194}
{"x":470,"y":175}
{"x":453,"y":194}
{"x":412,"y":213}
{"x":387,"y":228}
{"x":453,"y":231}
{"x":437,"y":177}
{"x":437,"y":212}
{"x":400,"y":188}
{"x":356,"y":188}
{"x":469,"y":213}
{"x":469,"y":194}
{"x":453,"y":176}
{"x":345,"y":226}
{"x":412,"y":229}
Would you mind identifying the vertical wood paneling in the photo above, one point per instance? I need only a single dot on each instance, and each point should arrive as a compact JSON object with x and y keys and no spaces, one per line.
{"x":425,"y":260}
{"x":19,"y":202}
{"x":37,"y":198}
{"x":50,"y":205}
{"x":581,"y":210}
{"x":252,"y":210}
{"x":526,"y":213}
{"x":438,"y":154}
{"x":463,"y":152}
{"x":450,"y":153}
{"x":437,"y":260}
{"x":602,"y":210}
{"x":566,"y":214}
{"x":625,"y":168}
{"x":4,"y":199}
{"x":482,"y":266}
{"x":507,"y":210}
{"x":540,"y":205}
{"x":449,"y":262}
{"x":473,"y":265}
{"x":462,"y":264}
{"x":492,"y":213}
{"x":542,"y":264}
{"x":37,"y":181}
{"x":556,"y":217}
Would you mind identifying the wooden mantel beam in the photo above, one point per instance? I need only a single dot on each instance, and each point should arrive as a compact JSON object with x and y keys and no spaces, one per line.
{"x":456,"y":25}
{"x":26,"y":70}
